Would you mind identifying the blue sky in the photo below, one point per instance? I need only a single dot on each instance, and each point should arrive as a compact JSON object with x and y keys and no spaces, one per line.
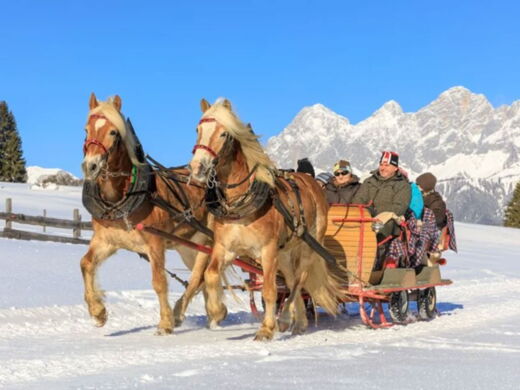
{"x":270,"y":58}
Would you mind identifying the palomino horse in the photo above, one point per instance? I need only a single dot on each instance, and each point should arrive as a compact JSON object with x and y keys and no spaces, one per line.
{"x":121,"y":191}
{"x":242,"y":191}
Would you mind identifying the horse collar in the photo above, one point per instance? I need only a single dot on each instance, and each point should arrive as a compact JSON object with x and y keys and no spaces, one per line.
{"x":140,"y":185}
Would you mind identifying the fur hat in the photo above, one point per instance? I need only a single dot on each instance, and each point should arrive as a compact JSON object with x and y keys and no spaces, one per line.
{"x":305,"y":166}
{"x":426,"y":181}
{"x":342,"y":165}
{"x":391,"y":158}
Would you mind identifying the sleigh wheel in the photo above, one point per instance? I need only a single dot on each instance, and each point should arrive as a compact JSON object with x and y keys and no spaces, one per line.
{"x":426,"y":303}
{"x":398,"y":306}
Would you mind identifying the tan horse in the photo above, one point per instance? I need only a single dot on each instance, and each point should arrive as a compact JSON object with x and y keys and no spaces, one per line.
{"x":121,"y":191}
{"x":239,"y":175}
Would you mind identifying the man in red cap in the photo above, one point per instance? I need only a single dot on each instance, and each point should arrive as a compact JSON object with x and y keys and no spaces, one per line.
{"x":386,"y":191}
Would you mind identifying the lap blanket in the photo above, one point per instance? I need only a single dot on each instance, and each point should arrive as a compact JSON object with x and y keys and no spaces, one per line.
{"x":422,"y":239}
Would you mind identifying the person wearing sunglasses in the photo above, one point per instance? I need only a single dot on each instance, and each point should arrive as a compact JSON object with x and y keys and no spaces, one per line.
{"x":342,"y":187}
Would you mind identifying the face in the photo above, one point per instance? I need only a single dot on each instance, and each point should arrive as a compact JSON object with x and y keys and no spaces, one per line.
{"x":341,"y":177}
{"x":387,"y":170}
{"x":101,"y":137}
{"x":211,"y":139}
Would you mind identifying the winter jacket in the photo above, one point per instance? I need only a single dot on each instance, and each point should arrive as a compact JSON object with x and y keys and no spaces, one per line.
{"x":392,"y":194}
{"x":433,"y":200}
{"x":342,"y":194}
{"x":416,"y":202}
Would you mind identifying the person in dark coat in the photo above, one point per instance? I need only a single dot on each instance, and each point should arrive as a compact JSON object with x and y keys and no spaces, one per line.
{"x":432,"y":199}
{"x":387,"y":190}
{"x":305,"y":166}
{"x":343,"y":186}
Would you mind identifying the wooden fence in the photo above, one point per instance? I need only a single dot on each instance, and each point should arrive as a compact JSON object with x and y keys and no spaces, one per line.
{"x":75,"y":224}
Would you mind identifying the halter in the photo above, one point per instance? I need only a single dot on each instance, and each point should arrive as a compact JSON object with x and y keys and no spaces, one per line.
{"x":94,"y":141}
{"x":106,"y":174}
{"x":205,"y":147}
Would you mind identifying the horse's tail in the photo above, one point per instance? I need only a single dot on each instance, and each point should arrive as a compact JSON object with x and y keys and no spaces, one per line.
{"x":323,"y":286}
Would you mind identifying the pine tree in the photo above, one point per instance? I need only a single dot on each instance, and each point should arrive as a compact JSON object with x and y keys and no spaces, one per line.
{"x":12,"y":163}
{"x":512,"y":214}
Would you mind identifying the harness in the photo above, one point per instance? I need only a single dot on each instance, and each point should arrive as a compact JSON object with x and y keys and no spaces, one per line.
{"x":141,"y":188}
{"x":255,"y":198}
{"x":298,"y":225}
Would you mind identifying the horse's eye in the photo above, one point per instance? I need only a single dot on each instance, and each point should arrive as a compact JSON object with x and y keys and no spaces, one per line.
{"x":224,"y":134}
{"x":113,"y":132}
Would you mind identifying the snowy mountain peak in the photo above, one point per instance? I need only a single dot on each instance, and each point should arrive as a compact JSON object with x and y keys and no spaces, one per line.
{"x":319,"y":112}
{"x":472,"y":148}
{"x":391,"y":108}
{"x":462,"y":99}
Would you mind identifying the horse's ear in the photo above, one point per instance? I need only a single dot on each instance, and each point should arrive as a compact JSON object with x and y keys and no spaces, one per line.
{"x":204,"y":105}
{"x":226,"y":103}
{"x":117,"y":102}
{"x":93,"y":103}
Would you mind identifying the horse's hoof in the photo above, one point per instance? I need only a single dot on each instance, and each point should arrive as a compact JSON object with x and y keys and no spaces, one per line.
{"x":177,"y":321}
{"x":100,"y":319}
{"x":223,"y":314}
{"x":163,"y":332}
{"x":299,"y":330}
{"x":212,"y":324}
{"x":263,"y":335}
{"x":283,"y":325}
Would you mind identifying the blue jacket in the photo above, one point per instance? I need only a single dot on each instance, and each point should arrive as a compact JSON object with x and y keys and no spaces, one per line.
{"x":416,"y":201}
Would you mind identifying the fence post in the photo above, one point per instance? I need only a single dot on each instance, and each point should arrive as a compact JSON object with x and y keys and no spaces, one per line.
{"x":8,"y":209}
{"x":76,"y":231}
{"x":44,"y":215}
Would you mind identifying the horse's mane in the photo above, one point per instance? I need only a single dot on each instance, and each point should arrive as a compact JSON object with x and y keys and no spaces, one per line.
{"x":108,"y":110}
{"x":248,"y":140}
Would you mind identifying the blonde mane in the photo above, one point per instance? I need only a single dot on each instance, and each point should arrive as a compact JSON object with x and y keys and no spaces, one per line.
{"x":108,"y":110}
{"x":251,"y":148}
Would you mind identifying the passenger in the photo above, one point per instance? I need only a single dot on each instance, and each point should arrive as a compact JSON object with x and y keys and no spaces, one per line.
{"x":323,"y":178}
{"x":305,"y":166}
{"x":343,"y":186}
{"x":416,"y":201}
{"x":432,"y":199}
{"x":387,"y":190}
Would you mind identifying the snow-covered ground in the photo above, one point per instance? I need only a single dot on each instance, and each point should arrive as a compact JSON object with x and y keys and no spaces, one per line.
{"x":47,"y":340}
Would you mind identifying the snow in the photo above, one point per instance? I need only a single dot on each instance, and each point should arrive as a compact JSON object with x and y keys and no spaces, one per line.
{"x":35,"y":172}
{"x":47,"y":340}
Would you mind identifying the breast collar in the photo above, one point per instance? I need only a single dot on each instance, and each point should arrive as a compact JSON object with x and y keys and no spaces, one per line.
{"x":141,"y":186}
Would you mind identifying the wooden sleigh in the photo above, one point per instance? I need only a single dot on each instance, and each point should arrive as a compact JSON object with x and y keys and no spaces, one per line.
{"x":352,"y":241}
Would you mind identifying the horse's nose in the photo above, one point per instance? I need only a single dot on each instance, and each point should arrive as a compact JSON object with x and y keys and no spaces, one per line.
{"x":92,"y":167}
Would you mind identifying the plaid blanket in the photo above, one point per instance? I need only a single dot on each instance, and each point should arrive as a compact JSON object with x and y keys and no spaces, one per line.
{"x":423,"y":238}
{"x":451,"y":230}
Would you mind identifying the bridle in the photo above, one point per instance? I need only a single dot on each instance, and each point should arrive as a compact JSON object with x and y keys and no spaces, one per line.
{"x":205,"y":147}
{"x":106,"y":152}
{"x":94,"y":141}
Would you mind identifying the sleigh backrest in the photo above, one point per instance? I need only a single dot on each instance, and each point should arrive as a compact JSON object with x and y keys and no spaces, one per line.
{"x":351,"y":240}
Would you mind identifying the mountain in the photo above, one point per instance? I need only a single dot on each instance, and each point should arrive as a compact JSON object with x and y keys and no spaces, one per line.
{"x":51,"y":178}
{"x":472,"y":147}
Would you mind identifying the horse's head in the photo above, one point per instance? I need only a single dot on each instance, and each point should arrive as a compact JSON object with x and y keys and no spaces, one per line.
{"x":223,"y":138}
{"x":213,"y":138}
{"x":103,"y":141}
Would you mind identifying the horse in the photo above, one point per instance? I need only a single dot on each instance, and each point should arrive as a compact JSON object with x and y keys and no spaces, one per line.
{"x":243,"y":193}
{"x":122,"y":192}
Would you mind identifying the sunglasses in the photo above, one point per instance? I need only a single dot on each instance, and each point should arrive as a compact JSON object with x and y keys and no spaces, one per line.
{"x":342,"y":173}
